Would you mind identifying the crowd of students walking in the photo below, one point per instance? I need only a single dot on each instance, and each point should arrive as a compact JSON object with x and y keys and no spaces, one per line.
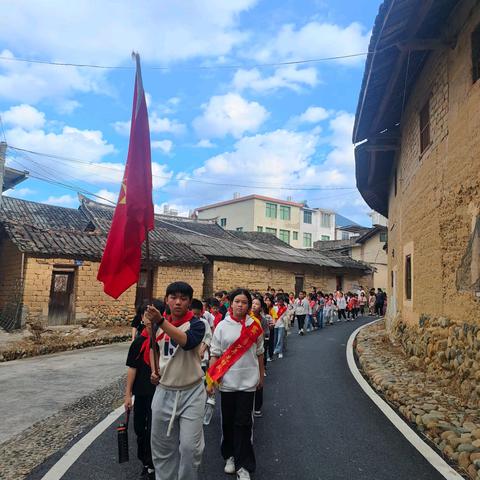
{"x":223,"y":343}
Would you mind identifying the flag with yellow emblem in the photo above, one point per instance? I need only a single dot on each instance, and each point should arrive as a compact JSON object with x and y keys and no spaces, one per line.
{"x":133,"y":217}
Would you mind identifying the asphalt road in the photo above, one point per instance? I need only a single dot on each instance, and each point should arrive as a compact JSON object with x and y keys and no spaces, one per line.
{"x":317,"y":425}
{"x":46,"y":384}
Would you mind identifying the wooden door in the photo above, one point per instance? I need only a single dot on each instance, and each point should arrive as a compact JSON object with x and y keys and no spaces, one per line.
{"x":61,"y":298}
{"x":298,"y":285}
{"x":144,"y":288}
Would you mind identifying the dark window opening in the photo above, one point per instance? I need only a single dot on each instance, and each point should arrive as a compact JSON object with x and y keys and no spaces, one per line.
{"x":425,"y":127}
{"x":395,"y":181}
{"x":408,"y":277}
{"x":476,"y":54}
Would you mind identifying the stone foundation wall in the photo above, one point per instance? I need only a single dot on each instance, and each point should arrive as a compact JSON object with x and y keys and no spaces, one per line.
{"x":449,"y":349}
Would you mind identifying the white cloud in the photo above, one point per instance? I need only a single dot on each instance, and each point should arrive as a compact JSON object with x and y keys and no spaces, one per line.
{"x":229,"y":114}
{"x":24,"y":116}
{"x":157,"y":125}
{"x":164,"y":145}
{"x":106,"y":196}
{"x":314,"y":40}
{"x":342,"y":153}
{"x":62,"y":200}
{"x":313,"y":115}
{"x":105,"y":32}
{"x":205,"y":143}
{"x":32,"y":83}
{"x":289,"y":77}
{"x":22,"y":192}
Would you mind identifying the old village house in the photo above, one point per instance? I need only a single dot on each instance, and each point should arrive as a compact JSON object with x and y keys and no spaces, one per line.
{"x":50,"y":258}
{"x":418,"y":162}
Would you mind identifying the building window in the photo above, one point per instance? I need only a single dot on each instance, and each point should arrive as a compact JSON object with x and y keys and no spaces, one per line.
{"x":295,"y":235}
{"x":273,"y":231}
{"x":325,"y":220}
{"x":284,"y":212}
{"x":239,"y":229}
{"x":425,"y":127}
{"x":383,"y":237}
{"x":325,"y":237}
{"x":307,"y":240}
{"x":223,"y":222}
{"x":271,"y":210}
{"x":395,"y":180}
{"x":339,"y":282}
{"x":345,"y":236}
{"x":307,"y":216}
{"x":259,"y":229}
{"x":285,"y":236}
{"x":408,"y":277}
{"x":476,"y":54}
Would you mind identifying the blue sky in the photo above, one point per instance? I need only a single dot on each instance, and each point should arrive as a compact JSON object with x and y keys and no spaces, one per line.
{"x":277,"y":130}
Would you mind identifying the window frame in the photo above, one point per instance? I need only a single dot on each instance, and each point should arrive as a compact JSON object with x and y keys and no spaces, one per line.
{"x":269,"y":208}
{"x":425,"y":124}
{"x":294,"y":235}
{"x":280,"y":235}
{"x":325,"y":238}
{"x":239,"y":229}
{"x":309,"y":214}
{"x":283,"y":209}
{"x":475,"y":46}
{"x":408,"y":277}
{"x":306,"y":236}
{"x":327,"y":216}
{"x":383,"y":235}
{"x":259,"y":229}
{"x":273,"y":231}
{"x":223,"y":222}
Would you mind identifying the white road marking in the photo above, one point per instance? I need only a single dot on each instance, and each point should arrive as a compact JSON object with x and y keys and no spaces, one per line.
{"x":423,"y":448}
{"x":72,"y":455}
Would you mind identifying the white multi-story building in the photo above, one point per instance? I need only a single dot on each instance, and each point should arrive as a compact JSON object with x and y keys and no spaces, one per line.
{"x":316,"y":224}
{"x":292,"y":222}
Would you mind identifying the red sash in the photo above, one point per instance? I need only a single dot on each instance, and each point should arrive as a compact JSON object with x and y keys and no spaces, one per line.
{"x":248,"y":336}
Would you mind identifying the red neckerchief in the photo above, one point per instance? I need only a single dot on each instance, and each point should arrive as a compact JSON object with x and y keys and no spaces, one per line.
{"x":176,"y":323}
{"x":238,"y":320}
{"x":145,"y":349}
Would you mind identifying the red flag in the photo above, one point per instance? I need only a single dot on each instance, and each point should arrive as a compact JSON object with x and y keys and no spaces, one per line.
{"x":133,"y":217}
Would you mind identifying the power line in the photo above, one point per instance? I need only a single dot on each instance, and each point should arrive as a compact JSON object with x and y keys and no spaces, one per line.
{"x":196,"y":67}
{"x":188,"y":179}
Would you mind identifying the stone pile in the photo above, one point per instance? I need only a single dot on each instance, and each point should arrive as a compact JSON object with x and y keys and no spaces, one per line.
{"x":444,"y":415}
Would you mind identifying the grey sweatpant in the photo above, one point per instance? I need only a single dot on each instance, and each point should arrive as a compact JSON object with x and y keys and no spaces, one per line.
{"x":177,"y":432}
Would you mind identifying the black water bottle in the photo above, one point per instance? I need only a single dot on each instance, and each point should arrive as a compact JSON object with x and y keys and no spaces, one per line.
{"x":122,"y":438}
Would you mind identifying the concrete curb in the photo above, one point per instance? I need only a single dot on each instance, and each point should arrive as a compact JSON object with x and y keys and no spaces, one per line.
{"x":423,"y":448}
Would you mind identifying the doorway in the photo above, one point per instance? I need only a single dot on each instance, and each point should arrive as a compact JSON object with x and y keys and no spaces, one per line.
{"x":144,"y":287}
{"x":60,"y":305}
{"x":299,"y":280}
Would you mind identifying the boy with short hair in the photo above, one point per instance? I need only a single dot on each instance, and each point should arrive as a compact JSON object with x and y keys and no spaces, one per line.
{"x":179,"y":402}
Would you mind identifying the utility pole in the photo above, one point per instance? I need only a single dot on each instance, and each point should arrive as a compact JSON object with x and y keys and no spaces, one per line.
{"x":3,"y":150}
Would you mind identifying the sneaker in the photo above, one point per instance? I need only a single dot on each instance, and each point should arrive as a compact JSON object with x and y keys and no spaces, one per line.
{"x":230,"y":466}
{"x":301,"y":332}
{"x":243,"y":474}
{"x":269,"y":359}
{"x":257,"y":413}
{"x":280,"y":355}
{"x":264,"y":374}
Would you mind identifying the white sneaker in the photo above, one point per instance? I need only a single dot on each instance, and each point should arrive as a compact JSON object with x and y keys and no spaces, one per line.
{"x":243,"y":474}
{"x":280,"y":355}
{"x":230,"y":466}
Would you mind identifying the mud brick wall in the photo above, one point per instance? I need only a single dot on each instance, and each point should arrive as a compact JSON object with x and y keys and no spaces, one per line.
{"x":437,"y":205}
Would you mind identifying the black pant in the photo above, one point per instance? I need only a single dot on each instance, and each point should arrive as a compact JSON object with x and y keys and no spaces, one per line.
{"x":237,"y":426}
{"x":341,"y":313}
{"x":301,"y":321}
{"x":142,"y":424}
{"x":266,"y":346}
{"x":379,"y":309}
{"x":258,"y":400}
{"x":271,"y":346}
